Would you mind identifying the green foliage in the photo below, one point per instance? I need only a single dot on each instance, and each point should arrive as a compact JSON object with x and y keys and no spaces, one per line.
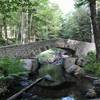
{"x":77,"y":25}
{"x":43,"y":18}
{"x":10,"y":66}
{"x":2,"y":41}
{"x":47,"y":22}
{"x":92,"y":65}
{"x":79,"y":3}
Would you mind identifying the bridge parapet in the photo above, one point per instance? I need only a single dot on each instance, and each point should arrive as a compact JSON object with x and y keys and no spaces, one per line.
{"x":30,"y":50}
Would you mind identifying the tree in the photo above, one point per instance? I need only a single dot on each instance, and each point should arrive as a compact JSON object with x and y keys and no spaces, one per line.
{"x":47,"y":22}
{"x":92,"y":6}
{"x":77,"y":25}
{"x":29,"y":20}
{"x":6,"y":7}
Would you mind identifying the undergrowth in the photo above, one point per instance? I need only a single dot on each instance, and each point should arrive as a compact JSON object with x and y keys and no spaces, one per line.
{"x":92,"y":66}
{"x":10,"y":66}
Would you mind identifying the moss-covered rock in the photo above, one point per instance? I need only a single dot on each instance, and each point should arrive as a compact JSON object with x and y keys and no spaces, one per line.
{"x":51,"y":62}
{"x":54,"y":71}
{"x":51,"y":56}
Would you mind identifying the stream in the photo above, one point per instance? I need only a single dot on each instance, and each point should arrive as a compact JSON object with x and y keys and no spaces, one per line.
{"x":22,"y":83}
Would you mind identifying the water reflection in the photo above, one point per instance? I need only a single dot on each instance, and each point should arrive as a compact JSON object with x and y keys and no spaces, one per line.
{"x":67,"y":98}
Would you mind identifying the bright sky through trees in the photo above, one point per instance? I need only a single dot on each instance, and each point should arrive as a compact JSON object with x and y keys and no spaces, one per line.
{"x":65,"y":5}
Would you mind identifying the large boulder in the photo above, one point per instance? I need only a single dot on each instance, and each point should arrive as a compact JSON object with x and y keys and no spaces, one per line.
{"x":27,"y":63}
{"x":71,"y":68}
{"x":51,"y":62}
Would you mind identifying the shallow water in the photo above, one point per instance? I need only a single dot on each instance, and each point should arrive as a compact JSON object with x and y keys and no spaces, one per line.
{"x":23,"y":82}
{"x":67,"y":98}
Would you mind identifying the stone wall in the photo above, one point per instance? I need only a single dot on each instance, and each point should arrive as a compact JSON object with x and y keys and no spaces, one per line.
{"x":30,"y":50}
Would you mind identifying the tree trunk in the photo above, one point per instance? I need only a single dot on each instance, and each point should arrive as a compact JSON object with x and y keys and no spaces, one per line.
{"x":18,"y":34}
{"x":23,"y":27}
{"x":33,"y":31}
{"x":29,"y":25}
{"x":5,"y":28}
{"x":95,"y":27}
{"x":1,"y":31}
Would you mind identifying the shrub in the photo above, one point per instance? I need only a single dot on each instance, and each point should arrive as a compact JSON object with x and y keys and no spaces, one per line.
{"x":92,"y":66}
{"x":10,"y":66}
{"x":2,"y":41}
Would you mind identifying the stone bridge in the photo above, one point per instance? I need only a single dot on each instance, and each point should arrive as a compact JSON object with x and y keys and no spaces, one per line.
{"x":30,"y":50}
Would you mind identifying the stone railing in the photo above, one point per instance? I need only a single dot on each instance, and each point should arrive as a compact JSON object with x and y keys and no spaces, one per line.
{"x":30,"y":50}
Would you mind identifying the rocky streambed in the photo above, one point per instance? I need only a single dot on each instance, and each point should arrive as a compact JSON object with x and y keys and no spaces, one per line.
{"x":13,"y":84}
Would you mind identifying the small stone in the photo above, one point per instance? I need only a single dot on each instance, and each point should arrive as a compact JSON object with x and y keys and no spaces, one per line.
{"x":26,"y":95}
{"x":24,"y":83}
{"x":96,"y":82}
{"x":27,"y":64}
{"x":69,"y":61}
{"x":81,"y":61}
{"x":97,"y":89}
{"x":71,"y":69}
{"x":36,"y":98}
{"x":91,"y":93}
